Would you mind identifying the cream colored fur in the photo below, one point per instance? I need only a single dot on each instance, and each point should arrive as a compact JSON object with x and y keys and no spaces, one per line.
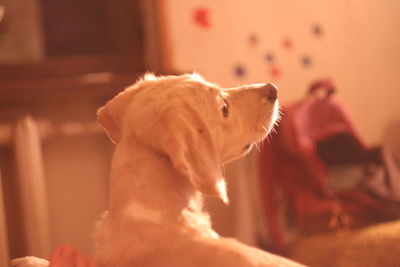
{"x":172,"y":135}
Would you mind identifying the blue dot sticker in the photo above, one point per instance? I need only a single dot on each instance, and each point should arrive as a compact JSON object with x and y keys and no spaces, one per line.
{"x":269,"y":57}
{"x":239,"y":71}
{"x":317,"y":30}
{"x":306,"y":61}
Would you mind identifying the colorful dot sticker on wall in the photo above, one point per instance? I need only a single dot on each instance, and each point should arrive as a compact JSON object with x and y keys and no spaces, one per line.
{"x":287,"y":44}
{"x":275,"y":72}
{"x":253,"y":39}
{"x":269,"y":57}
{"x":306,"y":61}
{"x":317,"y":30}
{"x":239,"y":71}
{"x":201,"y":17}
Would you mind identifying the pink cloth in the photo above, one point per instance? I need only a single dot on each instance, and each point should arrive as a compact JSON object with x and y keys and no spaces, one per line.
{"x":290,"y":161}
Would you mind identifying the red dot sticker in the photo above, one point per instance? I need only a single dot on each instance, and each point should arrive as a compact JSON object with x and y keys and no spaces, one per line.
{"x":275,"y":72}
{"x":201,"y":17}
{"x":240,"y":71}
{"x":287,"y":44}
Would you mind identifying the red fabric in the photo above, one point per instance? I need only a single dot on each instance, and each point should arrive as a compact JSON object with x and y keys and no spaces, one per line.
{"x":290,"y":161}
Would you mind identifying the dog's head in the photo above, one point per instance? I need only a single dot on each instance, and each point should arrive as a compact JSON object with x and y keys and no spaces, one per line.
{"x":197,"y":125}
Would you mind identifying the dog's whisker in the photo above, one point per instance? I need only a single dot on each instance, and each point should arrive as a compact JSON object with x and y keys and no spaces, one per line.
{"x":274,"y":130}
{"x":257,"y":146}
{"x":261,"y":143}
{"x":266,"y":138}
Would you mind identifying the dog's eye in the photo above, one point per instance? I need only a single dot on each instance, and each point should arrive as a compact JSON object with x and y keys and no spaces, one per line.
{"x":225,"y":109}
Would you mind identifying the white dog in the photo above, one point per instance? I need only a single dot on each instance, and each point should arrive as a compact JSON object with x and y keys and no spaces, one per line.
{"x":172,"y":134}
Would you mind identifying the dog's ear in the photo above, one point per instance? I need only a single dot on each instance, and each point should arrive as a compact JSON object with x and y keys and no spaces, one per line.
{"x":193,"y":154}
{"x":109,"y":123}
{"x":110,"y":115}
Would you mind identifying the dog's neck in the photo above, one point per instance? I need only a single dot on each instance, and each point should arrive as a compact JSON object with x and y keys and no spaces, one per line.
{"x":145,"y":185}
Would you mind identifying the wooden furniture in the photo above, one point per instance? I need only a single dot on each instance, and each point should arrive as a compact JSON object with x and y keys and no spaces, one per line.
{"x":93,"y":49}
{"x":85,"y":37}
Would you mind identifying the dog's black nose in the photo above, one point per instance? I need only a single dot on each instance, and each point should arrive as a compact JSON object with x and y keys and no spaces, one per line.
{"x":271,"y":92}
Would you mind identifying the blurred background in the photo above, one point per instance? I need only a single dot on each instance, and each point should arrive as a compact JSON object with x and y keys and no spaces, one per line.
{"x":330,"y":167}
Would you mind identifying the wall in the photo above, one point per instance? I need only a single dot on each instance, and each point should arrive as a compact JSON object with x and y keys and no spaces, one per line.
{"x":76,"y":169}
{"x":292,"y":43}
